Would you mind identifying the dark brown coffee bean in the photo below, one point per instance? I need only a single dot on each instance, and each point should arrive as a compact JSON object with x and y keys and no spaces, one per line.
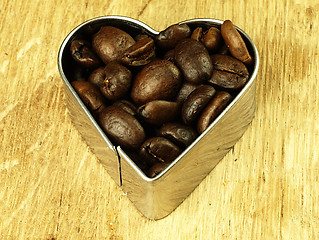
{"x":117,"y":81}
{"x":229,"y":73}
{"x":197,"y":34}
{"x":212,"y":110}
{"x":235,"y":42}
{"x":159,"y":149}
{"x":97,"y":77}
{"x":169,"y":55}
{"x":196,"y":102}
{"x":212,"y":39}
{"x":89,"y":94}
{"x":158,"y":112}
{"x":110,"y":43}
{"x":127,"y":106}
{"x":159,"y":80}
{"x":169,"y":38}
{"x":178,"y":133}
{"x":121,"y":127}
{"x":139,"y":37}
{"x":83,"y":54}
{"x":193,"y":59}
{"x":139,"y":54}
{"x":186,"y":89}
{"x":157,"y":169}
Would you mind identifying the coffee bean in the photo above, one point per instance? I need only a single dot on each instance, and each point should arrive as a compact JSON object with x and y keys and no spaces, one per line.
{"x":127,"y":106}
{"x":89,"y":94}
{"x":186,"y":89}
{"x":158,"y":112}
{"x":180,"y":134}
{"x":235,"y":42}
{"x":140,"y":53}
{"x":229,"y":73}
{"x":212,"y":39}
{"x":110,"y":43}
{"x":83,"y":54}
{"x":117,"y":81}
{"x":194,"y":61}
{"x":169,"y":55}
{"x":97,"y":77}
{"x":121,"y":127}
{"x":196,"y":102}
{"x":159,"y":80}
{"x":168,"y":38}
{"x":159,"y":149}
{"x":197,"y":34}
{"x":212,"y":110}
{"x":157,"y":169}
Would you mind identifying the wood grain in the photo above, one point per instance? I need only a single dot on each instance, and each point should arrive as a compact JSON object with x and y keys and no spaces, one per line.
{"x":51,"y":186}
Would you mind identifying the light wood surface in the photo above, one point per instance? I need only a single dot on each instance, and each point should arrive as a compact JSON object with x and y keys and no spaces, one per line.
{"x":51,"y":185}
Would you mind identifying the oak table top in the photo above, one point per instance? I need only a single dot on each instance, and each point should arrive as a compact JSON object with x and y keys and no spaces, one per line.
{"x":51,"y":185}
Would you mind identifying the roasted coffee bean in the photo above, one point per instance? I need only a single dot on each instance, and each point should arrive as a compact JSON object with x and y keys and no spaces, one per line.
{"x":110,"y":43}
{"x":139,"y":54}
{"x":139,"y":37}
{"x":158,"y":112}
{"x":197,"y":34}
{"x":196,"y":102}
{"x":169,"y":38}
{"x":212,"y":39}
{"x":89,"y":94}
{"x":121,"y":127}
{"x":229,"y":73}
{"x":235,"y":42}
{"x":212,"y":110}
{"x":159,"y":80}
{"x":169,"y":55}
{"x":159,"y":149}
{"x":180,"y":134}
{"x":157,"y":169}
{"x":186,"y":89}
{"x":117,"y":81}
{"x":127,"y":106}
{"x":83,"y":54}
{"x":194,"y":61}
{"x":97,"y":77}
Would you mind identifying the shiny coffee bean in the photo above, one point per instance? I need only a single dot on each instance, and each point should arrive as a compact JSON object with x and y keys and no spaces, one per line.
{"x":196,"y":102}
{"x":159,"y":80}
{"x":194,"y":61}
{"x":89,"y":94}
{"x":110,"y":43}
{"x":159,"y":149}
{"x":97,"y":77}
{"x":212,"y":39}
{"x":186,"y":89}
{"x":117,"y":81}
{"x":127,"y":106}
{"x":212,"y":110}
{"x":83,"y":54}
{"x":139,"y":37}
{"x":197,"y":34}
{"x":168,"y":38}
{"x":178,"y":133}
{"x":158,"y":112}
{"x":121,"y":127}
{"x":140,"y":53}
{"x":229,"y":73}
{"x":157,"y":169}
{"x":235,"y":42}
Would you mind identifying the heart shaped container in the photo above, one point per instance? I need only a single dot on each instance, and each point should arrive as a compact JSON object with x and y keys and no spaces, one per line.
{"x":157,"y":197}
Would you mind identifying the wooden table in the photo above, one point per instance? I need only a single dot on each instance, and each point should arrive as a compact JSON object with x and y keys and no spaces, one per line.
{"x":52,"y":186}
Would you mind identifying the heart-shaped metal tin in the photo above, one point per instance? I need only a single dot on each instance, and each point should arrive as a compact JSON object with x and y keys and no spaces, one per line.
{"x":157,"y":197}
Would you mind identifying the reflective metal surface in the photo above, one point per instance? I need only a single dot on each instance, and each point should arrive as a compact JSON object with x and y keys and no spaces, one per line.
{"x":157,"y":197}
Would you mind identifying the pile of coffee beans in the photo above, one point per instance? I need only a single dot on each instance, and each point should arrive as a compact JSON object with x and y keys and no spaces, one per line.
{"x":154,"y":95}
